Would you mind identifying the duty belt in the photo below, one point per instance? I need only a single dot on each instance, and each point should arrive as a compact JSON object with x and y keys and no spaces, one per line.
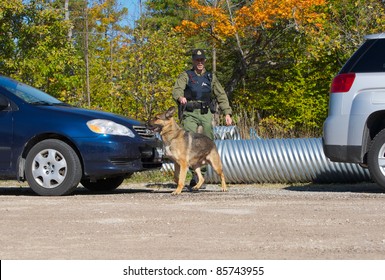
{"x":193,"y":105}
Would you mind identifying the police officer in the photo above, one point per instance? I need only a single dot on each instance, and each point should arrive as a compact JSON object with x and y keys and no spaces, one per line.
{"x":195,"y":91}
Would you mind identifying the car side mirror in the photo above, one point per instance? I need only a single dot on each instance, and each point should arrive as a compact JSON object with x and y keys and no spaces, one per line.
{"x":4,"y":103}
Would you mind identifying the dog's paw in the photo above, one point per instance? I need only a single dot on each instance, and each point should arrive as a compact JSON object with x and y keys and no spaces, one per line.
{"x":176,"y":192}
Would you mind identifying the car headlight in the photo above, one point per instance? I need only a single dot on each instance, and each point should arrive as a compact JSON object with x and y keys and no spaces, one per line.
{"x":109,"y":127}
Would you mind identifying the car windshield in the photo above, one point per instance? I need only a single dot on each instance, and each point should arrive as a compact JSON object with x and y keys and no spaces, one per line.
{"x":29,"y":94}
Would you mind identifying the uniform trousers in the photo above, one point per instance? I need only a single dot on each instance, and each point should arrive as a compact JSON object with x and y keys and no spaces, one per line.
{"x":192,"y":120}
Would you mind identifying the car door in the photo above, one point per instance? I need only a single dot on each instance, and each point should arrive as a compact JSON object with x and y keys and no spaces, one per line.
{"x":6,"y":133}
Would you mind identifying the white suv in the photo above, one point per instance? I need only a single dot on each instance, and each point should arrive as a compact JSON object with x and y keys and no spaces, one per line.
{"x":354,"y":130}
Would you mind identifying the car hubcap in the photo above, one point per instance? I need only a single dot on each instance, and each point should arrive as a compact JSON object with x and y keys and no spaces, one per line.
{"x":49,"y":168}
{"x":381,"y":159}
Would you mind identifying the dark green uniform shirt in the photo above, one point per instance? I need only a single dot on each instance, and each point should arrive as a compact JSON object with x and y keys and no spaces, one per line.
{"x":219,"y":92}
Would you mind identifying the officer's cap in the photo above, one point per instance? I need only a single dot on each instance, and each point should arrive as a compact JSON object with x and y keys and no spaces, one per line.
{"x":198,"y":53}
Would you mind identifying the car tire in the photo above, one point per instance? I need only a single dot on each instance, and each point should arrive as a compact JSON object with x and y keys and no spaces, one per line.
{"x":376,"y":159}
{"x":52,"y":168}
{"x":105,"y":184}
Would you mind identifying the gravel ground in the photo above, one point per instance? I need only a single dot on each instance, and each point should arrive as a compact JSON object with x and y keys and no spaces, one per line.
{"x":139,"y":221}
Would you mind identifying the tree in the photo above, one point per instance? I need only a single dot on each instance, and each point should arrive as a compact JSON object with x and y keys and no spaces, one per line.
{"x":37,"y":50}
{"x":249,"y":23}
{"x":165,"y":13}
{"x":153,"y":61}
{"x":10,"y":23}
{"x":105,"y":36}
{"x":345,"y":26}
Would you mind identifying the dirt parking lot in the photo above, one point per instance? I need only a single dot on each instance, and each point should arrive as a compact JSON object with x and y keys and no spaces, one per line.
{"x":139,"y":221}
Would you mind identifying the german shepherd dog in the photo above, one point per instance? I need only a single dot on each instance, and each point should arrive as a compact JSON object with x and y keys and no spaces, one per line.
{"x":186,"y":149}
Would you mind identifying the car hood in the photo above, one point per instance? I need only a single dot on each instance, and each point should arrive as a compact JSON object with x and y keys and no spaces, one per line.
{"x":89,"y":114}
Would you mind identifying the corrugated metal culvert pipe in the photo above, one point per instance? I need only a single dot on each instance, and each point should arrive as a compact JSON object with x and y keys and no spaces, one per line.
{"x":297,"y":160}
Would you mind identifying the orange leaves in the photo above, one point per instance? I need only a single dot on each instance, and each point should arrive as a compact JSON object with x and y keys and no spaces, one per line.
{"x":218,"y":22}
{"x":266,"y":12}
{"x":187,"y":27}
{"x":213,"y":20}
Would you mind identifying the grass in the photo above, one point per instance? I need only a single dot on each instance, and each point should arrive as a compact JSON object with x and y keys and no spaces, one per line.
{"x":151,"y":177}
{"x":156,"y":176}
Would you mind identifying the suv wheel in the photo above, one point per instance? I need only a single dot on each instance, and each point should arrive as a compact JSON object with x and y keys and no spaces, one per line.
{"x":376,"y":159}
{"x":52,"y":168}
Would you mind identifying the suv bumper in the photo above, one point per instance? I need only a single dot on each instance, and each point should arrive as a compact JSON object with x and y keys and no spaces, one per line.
{"x":342,"y":153}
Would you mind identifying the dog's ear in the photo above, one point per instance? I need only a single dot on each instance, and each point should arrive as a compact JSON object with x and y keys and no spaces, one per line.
{"x":170,"y":112}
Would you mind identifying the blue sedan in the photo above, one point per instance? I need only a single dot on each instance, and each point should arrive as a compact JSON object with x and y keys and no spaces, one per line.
{"x":54,"y":146}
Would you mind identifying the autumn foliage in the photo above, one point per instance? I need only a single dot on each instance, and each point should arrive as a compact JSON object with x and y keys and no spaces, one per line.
{"x":220,"y":23}
{"x":275,"y":58}
{"x":265,"y":13}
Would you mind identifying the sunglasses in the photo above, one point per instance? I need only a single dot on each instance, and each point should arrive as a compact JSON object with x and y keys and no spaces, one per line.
{"x":200,"y":60}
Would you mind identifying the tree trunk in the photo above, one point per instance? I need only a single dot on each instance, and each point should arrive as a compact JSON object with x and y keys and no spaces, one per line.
{"x":86,"y":55}
{"x":67,"y":18}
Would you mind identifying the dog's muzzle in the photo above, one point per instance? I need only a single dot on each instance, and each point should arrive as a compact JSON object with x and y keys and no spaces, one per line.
{"x":154,"y":127}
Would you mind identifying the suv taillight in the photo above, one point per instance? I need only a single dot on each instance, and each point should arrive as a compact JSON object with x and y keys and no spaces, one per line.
{"x":342,"y":82}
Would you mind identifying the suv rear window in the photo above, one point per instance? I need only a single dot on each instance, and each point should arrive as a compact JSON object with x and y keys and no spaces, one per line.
{"x":370,"y":57}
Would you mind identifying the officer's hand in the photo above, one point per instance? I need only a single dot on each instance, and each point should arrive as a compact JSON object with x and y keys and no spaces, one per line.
{"x":182,"y":100}
{"x":229,"y":121}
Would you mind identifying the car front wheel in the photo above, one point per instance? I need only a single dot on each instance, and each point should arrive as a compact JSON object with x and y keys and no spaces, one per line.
{"x":376,"y":159}
{"x":52,"y":168}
